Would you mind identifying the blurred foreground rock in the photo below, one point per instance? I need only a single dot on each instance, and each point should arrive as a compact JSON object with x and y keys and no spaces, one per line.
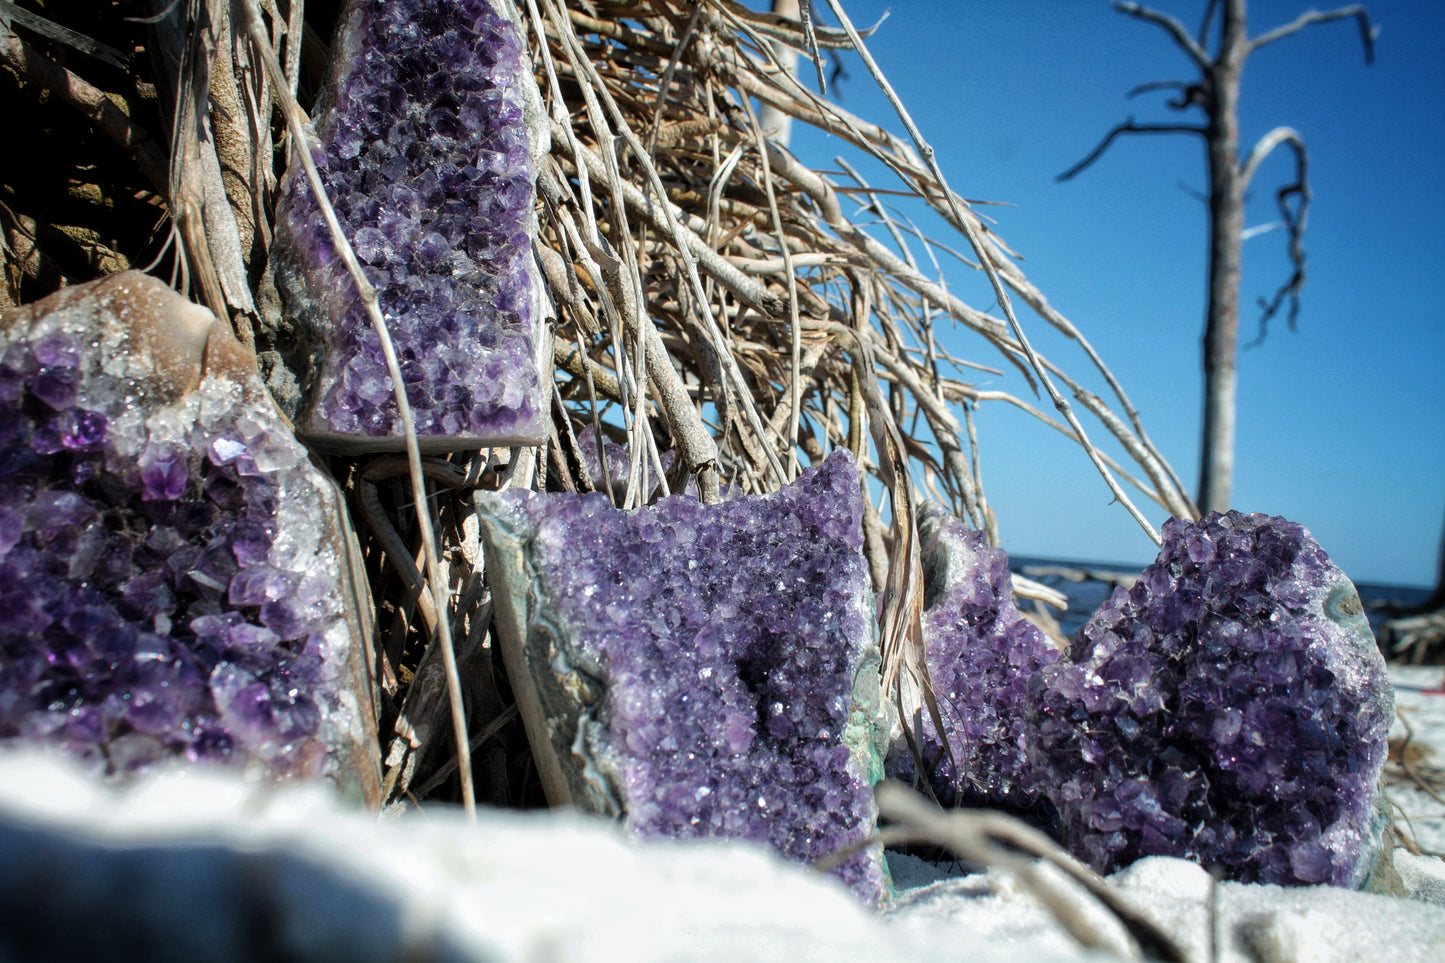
{"x":206,"y":866}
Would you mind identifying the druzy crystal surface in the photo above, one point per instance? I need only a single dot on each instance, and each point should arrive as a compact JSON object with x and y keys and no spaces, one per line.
{"x":1231,"y":708}
{"x":981,"y":653}
{"x":172,"y":578}
{"x":426,"y":155}
{"x":709,"y":671}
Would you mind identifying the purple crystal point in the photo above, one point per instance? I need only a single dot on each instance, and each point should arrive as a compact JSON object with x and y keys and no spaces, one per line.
{"x":1231,"y":708}
{"x":706,"y":670}
{"x":136,"y":565}
{"x":422,"y":91}
{"x":981,"y":653}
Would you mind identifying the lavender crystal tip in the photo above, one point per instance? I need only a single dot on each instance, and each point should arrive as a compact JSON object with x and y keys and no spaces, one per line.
{"x":428,"y":145}
{"x":980,"y":652}
{"x":172,"y":569}
{"x":1231,"y":708}
{"x":704,"y":671}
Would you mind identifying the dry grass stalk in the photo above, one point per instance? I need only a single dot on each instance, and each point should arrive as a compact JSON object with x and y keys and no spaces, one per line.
{"x":1000,"y":841}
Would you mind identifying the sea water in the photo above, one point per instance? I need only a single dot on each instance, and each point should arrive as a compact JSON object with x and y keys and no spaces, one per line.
{"x":1086,"y":596}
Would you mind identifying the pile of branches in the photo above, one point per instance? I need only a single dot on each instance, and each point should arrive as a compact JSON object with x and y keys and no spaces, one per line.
{"x":714,"y":295}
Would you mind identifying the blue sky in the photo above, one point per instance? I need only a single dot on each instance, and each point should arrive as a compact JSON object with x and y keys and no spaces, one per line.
{"x":1341,"y":425}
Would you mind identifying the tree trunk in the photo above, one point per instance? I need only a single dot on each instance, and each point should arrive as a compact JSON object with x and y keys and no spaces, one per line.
{"x":1226,"y":242}
{"x":775,"y":123}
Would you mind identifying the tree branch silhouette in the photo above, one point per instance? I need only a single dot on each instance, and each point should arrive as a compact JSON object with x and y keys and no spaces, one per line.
{"x":1128,"y":127}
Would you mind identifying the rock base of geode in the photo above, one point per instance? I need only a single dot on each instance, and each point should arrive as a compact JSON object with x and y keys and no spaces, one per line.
{"x":429,"y":137}
{"x":702,"y":671}
{"x":177,"y":579}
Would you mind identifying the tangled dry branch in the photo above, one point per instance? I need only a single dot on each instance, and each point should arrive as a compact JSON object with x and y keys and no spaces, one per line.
{"x":714,"y":295}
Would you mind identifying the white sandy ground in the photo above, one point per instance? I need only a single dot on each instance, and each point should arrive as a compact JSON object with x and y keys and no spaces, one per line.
{"x":1420,"y":714}
{"x":191,"y":866}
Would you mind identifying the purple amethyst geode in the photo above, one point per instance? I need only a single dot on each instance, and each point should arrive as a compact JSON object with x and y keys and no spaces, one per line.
{"x":708,"y":671}
{"x":981,"y":653}
{"x":173,"y":576}
{"x":1231,"y":708}
{"x":426,"y":154}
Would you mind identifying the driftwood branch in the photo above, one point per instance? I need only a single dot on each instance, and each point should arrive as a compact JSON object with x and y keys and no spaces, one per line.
{"x":998,"y":840}
{"x":12,"y":14}
{"x":972,"y":231}
{"x":1293,"y":201}
{"x":91,"y":102}
{"x":1175,"y":29}
{"x":1368,"y":32}
{"x":1128,"y":127}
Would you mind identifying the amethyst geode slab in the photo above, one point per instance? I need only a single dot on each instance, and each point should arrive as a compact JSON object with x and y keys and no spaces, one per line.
{"x":429,"y":138}
{"x":175,"y":578}
{"x":1231,"y":708}
{"x":706,"y":671}
{"x":981,"y":653}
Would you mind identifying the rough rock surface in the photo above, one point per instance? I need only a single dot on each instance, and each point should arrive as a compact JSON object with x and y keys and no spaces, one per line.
{"x":173,"y":576}
{"x":1231,"y":708}
{"x":981,"y":653}
{"x":427,"y":157}
{"x":706,"y":670}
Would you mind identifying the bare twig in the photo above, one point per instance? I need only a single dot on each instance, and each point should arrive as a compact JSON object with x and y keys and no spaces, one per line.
{"x":1368,"y":32}
{"x":1293,"y":201}
{"x":998,"y":840}
{"x":1128,"y":127}
{"x":1173,"y":27}
{"x":999,"y":292}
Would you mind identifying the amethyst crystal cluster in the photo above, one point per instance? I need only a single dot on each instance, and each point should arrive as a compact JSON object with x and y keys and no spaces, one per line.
{"x":172,"y":577}
{"x":981,"y":653}
{"x":426,"y":154}
{"x":1230,"y":708}
{"x":708,"y":670}
{"x":611,"y":478}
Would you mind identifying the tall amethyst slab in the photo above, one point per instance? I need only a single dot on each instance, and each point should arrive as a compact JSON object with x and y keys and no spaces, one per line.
{"x":708,"y":671}
{"x":981,"y":653}
{"x":174,"y":577}
{"x":427,"y":151}
{"x":1231,"y":708}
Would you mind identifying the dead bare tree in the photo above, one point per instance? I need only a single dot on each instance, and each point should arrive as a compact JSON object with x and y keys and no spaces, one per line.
{"x":1216,"y":95}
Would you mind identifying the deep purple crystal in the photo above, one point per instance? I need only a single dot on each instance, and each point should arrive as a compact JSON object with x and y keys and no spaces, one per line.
{"x":980,"y":653}
{"x":1231,"y":708}
{"x":425,"y":90}
{"x":129,"y":589}
{"x":727,"y":642}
